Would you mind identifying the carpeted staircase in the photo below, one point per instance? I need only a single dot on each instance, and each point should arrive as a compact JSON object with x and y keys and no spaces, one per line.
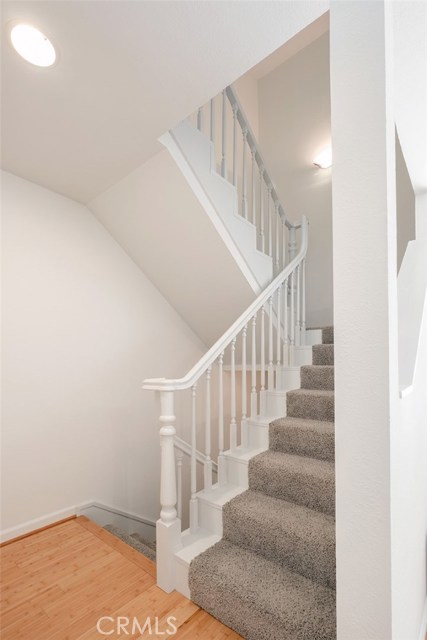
{"x":272,"y":576}
{"x":135,"y":540}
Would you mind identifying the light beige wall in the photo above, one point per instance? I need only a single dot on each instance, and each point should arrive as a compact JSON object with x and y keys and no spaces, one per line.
{"x":82,"y":328}
{"x":294,"y":125}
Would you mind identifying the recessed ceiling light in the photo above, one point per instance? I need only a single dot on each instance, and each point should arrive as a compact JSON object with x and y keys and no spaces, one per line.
{"x":324,"y":159}
{"x":32,"y":45}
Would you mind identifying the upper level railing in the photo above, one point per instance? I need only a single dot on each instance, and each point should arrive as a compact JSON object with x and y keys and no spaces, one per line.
{"x":239,"y":160}
{"x":230,"y":382}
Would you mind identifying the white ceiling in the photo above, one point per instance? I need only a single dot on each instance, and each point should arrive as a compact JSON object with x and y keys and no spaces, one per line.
{"x":127,"y":72}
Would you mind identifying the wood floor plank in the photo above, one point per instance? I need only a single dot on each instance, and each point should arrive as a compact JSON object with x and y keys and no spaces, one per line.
{"x":118,"y":545}
{"x":59,"y":582}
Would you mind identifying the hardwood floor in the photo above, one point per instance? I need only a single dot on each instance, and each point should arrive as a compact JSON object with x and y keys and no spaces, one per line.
{"x":57,"y":584}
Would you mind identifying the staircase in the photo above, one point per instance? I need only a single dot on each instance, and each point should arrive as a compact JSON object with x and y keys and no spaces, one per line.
{"x":246,"y":527}
{"x":272,"y":575}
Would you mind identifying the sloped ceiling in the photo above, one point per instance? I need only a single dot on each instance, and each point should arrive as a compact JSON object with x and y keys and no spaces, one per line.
{"x":127,"y":72}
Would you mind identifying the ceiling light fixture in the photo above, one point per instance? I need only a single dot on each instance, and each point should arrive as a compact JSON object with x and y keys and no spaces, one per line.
{"x":324,"y":159}
{"x":32,"y":45}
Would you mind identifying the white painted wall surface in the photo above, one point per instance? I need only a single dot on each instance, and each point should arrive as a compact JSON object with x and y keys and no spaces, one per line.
{"x":159,"y":222}
{"x":365,"y":296}
{"x":82,"y":328}
{"x":294,"y":124}
{"x":409,"y":452}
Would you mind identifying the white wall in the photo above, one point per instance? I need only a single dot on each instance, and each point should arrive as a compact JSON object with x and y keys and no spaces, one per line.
{"x":155,"y":216}
{"x":294,"y":125}
{"x":365,"y":296}
{"x":409,"y":451}
{"x":82,"y":328}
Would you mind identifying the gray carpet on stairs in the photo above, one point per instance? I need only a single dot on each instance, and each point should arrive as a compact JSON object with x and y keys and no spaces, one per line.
{"x":135,"y":540}
{"x":272,"y":576}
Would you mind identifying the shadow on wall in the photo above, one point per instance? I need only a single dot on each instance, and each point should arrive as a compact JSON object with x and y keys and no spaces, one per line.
{"x":405,"y":205}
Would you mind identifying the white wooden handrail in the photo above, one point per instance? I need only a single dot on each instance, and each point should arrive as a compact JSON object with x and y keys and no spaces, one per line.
{"x":224,"y":385}
{"x":164,"y":384}
{"x":253,"y":145}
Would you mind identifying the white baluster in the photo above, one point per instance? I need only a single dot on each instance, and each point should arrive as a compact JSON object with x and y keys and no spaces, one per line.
{"x":270,"y":224}
{"x":168,"y":527}
{"x":179,"y":457}
{"x":244,"y":198}
{"x":285,"y":325}
{"x":298,"y":310}
{"x":221,"y":459}
{"x":244,"y":387}
{"x":207,"y":467}
{"x":234,"y":144}
{"x":292,"y":321}
{"x":224,"y":135}
{"x":213,"y":120}
{"x":193,"y":463}
{"x":262,"y":391}
{"x":270,"y":347}
{"x":303,"y":325}
{"x":233,"y":423}
{"x":279,"y":340}
{"x":200,"y":119}
{"x":253,"y":377}
{"x":283,"y":245}
{"x":261,"y":207}
{"x":278,"y":236}
{"x":253,"y":188}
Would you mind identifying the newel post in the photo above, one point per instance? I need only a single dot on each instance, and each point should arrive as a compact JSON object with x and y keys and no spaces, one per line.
{"x":168,"y":526}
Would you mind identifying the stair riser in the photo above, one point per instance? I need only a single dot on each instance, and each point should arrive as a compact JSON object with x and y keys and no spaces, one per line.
{"x":323,"y":354}
{"x":313,"y":408}
{"x":301,"y":443}
{"x":305,"y":490}
{"x":317,"y":378}
{"x":315,"y":560}
{"x":328,"y":335}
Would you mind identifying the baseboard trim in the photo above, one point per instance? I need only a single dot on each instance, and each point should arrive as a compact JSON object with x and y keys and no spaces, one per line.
{"x":34,"y":531}
{"x":423,"y":628}
{"x":100,"y":513}
{"x":38,"y":523}
{"x":130,"y":522}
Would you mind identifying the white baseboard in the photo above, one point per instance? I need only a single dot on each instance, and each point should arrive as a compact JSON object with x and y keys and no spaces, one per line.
{"x":423,"y":628}
{"x":99,"y":513}
{"x":129,"y":522}
{"x":37,"y":523}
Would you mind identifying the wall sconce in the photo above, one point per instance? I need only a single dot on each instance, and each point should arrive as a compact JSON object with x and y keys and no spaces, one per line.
{"x":324,"y":159}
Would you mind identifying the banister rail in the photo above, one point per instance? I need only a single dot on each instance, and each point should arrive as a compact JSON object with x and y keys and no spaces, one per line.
{"x":164,"y":384}
{"x":238,"y":159}
{"x":242,"y":372}
{"x":253,"y":145}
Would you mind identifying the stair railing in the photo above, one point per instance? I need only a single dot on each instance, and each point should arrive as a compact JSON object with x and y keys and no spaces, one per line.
{"x":239,"y":160}
{"x":275,"y":320}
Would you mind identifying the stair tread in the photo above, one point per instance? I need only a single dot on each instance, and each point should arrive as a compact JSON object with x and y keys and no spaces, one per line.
{"x":303,"y":480}
{"x":325,"y":393}
{"x":299,"y":464}
{"x":298,"y":537}
{"x":304,"y":437}
{"x":322,"y":426}
{"x":260,"y":599}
